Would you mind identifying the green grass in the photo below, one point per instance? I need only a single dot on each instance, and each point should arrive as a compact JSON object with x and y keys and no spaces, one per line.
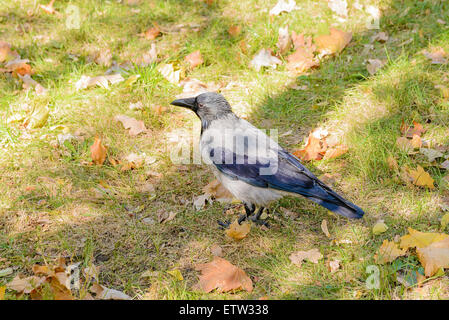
{"x":366,"y":111}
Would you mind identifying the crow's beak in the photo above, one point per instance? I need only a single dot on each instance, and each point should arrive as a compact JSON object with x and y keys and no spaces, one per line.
{"x":186,"y":103}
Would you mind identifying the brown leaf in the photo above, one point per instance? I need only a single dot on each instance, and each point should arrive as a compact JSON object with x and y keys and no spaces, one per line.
{"x":25,"y":285}
{"x":409,"y":132}
{"x":313,"y":255}
{"x":437,"y":55}
{"x":333,"y":265}
{"x":303,"y":58}
{"x":434,"y":256}
{"x":216,"y":250}
{"x":324,"y":228}
{"x":374,"y":65}
{"x":6,"y":53}
{"x":333,"y":43}
{"x":220,"y":274}
{"x":136,"y":126}
{"x":284,"y":40}
{"x":101,"y":292}
{"x":238,"y":231}
{"x":98,"y":152}
{"x":194,"y":59}
{"x":151,"y":33}
{"x":217,"y":190}
{"x":234,"y":30}
{"x":19,"y":67}
{"x":388,"y":252}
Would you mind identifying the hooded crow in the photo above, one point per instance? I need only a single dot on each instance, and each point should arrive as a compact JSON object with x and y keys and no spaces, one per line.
{"x":251,"y":165}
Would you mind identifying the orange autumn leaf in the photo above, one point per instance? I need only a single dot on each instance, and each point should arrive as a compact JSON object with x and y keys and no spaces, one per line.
{"x":220,"y":274}
{"x":151,"y":33}
{"x":19,"y":66}
{"x":238,"y":231}
{"x":98,"y":152}
{"x":314,"y":149}
{"x":303,"y":58}
{"x":409,"y":132}
{"x":194,"y":59}
{"x":234,"y":30}
{"x":334,"y":42}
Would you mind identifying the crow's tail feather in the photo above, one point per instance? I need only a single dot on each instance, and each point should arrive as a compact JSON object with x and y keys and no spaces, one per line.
{"x":345,"y":208}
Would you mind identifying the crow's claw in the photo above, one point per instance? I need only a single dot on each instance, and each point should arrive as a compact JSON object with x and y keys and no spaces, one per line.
{"x":259,"y":221}
{"x":224,"y":225}
{"x":242,"y":218}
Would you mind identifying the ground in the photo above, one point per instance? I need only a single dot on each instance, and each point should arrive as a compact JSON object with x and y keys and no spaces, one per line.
{"x":51,"y":203}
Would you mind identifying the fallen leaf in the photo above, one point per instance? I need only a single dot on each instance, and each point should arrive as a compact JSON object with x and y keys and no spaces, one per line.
{"x":313,"y":255}
{"x":28,"y":83}
{"x":38,"y":118}
{"x":216,"y":250}
{"x":25,"y":285}
{"x":176,"y":274}
{"x":434,"y":256}
{"x":437,"y":55}
{"x":151,"y":33}
{"x":216,"y":190}
{"x":104,"y":293}
{"x":238,"y":231}
{"x":379,"y":227}
{"x":194,"y":59}
{"x":200,"y":202}
{"x":136,"y":126}
{"x":98,"y":152}
{"x":6,"y":54}
{"x":381,"y":37}
{"x":421,"y":178}
{"x":420,"y":239}
{"x":333,"y":43}
{"x":2,"y":292}
{"x":409,"y":132}
{"x":324,"y":228}
{"x":314,"y":150}
{"x":169,"y":73}
{"x":374,"y":65}
{"x":234,"y":30}
{"x":101,"y":81}
{"x":284,"y":40}
{"x":264,"y":58}
{"x":431,"y":154}
{"x":220,"y":274}
{"x":283,"y":6}
{"x":19,"y":67}
{"x":333,"y":265}
{"x":388,"y":252}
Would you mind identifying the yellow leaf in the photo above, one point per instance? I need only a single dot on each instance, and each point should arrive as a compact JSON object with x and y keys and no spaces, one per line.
{"x":324,"y":228}
{"x":421,"y":178}
{"x":335,"y":42}
{"x":2,"y":292}
{"x":420,"y":239}
{"x":238,"y":231}
{"x":379,"y":227}
{"x":176,"y":274}
{"x":388,"y":252}
{"x":434,"y":256}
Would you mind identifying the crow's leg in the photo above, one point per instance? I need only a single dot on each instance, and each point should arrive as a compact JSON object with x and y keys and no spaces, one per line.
{"x":256,"y":217}
{"x":249,"y":210}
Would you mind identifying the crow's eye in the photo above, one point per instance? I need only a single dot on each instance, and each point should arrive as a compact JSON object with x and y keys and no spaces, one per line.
{"x":200,"y":105}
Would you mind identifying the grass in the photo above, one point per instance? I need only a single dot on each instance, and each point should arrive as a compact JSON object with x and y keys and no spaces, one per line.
{"x":49,"y":205}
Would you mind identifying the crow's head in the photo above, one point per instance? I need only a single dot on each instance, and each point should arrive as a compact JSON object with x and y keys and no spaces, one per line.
{"x":208,"y":106}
